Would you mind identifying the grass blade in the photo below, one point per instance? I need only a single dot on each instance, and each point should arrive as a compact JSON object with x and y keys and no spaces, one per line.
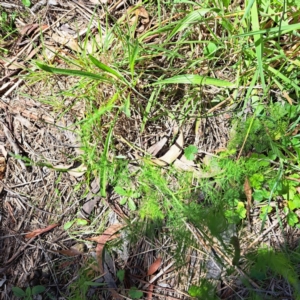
{"x":150,"y":103}
{"x":71,"y":72}
{"x":247,"y":10}
{"x":195,"y":79}
{"x":282,"y":30}
{"x":288,"y":81}
{"x":189,"y":19}
{"x":104,"y":159}
{"x":104,"y":67}
{"x":258,"y":42}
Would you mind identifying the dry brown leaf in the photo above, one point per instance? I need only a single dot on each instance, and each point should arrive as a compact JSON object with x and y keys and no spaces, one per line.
{"x":287,"y":97}
{"x":141,"y":12}
{"x":67,"y":41}
{"x":2,"y":167}
{"x":3,"y":155}
{"x":37,"y":232}
{"x":91,"y":200}
{"x":172,"y":153}
{"x":70,"y":252}
{"x":248,"y":193}
{"x":298,"y":189}
{"x":78,"y":172}
{"x":150,"y":291}
{"x":102,"y":239}
{"x":3,"y":151}
{"x":154,"y":266}
{"x":27,"y":29}
{"x":154,"y":149}
{"x":62,"y":167}
{"x":33,"y":52}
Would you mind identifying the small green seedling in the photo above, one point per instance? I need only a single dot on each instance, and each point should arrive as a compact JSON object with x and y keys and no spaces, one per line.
{"x":127,"y":196}
{"x":29,"y":292}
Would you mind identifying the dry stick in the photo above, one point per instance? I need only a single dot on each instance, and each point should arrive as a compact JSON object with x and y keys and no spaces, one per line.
{"x":26,"y":113}
{"x":160,"y":273}
{"x":260,"y":236}
{"x":207,"y":249}
{"x":19,"y":251}
{"x":13,"y":144}
{"x":7,"y":93}
{"x":82,"y":32}
{"x":239,"y":270}
{"x":24,"y":200}
{"x":84,"y":13}
{"x":9,"y":5}
{"x":35,"y":38}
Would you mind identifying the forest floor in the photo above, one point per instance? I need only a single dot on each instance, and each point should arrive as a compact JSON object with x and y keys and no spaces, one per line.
{"x":149,"y":150}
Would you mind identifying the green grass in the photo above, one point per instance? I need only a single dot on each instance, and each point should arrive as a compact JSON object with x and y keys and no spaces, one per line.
{"x":193,"y":58}
{"x":7,"y":29}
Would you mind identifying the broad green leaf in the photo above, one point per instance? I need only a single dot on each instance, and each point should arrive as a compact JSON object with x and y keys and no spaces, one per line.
{"x":190,"y":151}
{"x":131,"y":204}
{"x":38,"y":289}
{"x":26,"y":3}
{"x":226,"y":3}
{"x":292,"y":218}
{"x":134,"y":293}
{"x":71,"y":72}
{"x":135,"y":195}
{"x":120,"y":191}
{"x":291,"y":205}
{"x":28,"y":292}
{"x":241,"y":210}
{"x":123,"y":200}
{"x":259,"y":195}
{"x":81,"y":222}
{"x":296,"y":201}
{"x":210,"y":49}
{"x":232,"y":216}
{"x":18,"y":292}
{"x":195,"y":79}
{"x":69,"y":224}
{"x":121,"y":275}
{"x":264,"y":211}
{"x":194,"y":291}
